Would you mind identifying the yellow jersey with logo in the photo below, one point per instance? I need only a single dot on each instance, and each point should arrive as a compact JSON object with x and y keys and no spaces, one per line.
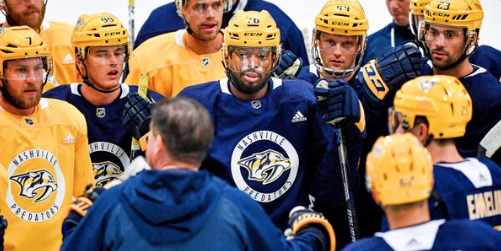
{"x":57,"y":35}
{"x":171,"y":65}
{"x":47,"y":161}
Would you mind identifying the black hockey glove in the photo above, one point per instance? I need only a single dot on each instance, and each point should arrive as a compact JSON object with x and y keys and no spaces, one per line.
{"x":289,"y":66}
{"x":303,"y":221}
{"x":137,"y":115}
{"x":337,"y":101}
{"x":3,"y":226}
{"x":390,"y":71}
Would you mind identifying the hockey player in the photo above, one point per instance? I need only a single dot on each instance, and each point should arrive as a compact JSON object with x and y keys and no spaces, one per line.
{"x":484,"y":56}
{"x":56,"y":35}
{"x":164,"y":20}
{"x":101,"y":45}
{"x":43,"y":144}
{"x":394,"y":34}
{"x":186,"y":57}
{"x":436,"y":109}
{"x":448,"y":44}
{"x":400,"y":171}
{"x":175,"y":206}
{"x":270,"y":140}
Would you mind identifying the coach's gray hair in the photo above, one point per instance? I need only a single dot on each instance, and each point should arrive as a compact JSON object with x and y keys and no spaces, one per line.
{"x":186,"y":128}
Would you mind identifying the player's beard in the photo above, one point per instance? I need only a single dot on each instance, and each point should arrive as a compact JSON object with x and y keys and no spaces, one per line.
{"x":22,"y":102}
{"x":446,"y":63}
{"x":249,"y":88}
{"x":33,"y":22}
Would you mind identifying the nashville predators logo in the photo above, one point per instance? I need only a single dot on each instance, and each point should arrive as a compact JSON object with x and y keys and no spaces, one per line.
{"x":38,"y":184}
{"x":266,"y":166}
{"x":105,"y":172}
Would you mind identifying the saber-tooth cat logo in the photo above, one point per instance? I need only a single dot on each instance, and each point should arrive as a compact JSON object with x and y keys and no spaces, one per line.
{"x":269,"y":164}
{"x":36,"y":185}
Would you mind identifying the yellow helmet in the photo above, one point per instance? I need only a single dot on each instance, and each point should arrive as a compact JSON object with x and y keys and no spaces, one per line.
{"x":20,"y":42}
{"x":252,"y":29}
{"x":463,"y":13}
{"x":102,"y":29}
{"x":249,"y":30}
{"x":417,"y":9}
{"x":345,"y":18}
{"x":399,"y":170}
{"x":443,"y":100}
{"x":418,"y":6}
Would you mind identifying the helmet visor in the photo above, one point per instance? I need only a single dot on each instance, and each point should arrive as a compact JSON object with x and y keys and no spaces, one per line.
{"x":27,"y":68}
{"x":261,"y":59}
{"x":436,"y":34}
{"x":107,"y":55}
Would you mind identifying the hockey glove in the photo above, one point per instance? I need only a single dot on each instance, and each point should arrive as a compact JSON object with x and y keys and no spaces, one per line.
{"x":289,"y":66}
{"x":137,"y":115}
{"x":390,"y":71}
{"x":3,"y":226}
{"x":302,"y":221}
{"x":337,"y":101}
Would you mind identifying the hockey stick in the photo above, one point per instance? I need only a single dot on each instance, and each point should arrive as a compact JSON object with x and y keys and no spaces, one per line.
{"x":345,"y":172}
{"x":131,"y":21}
{"x":491,"y":142}
{"x":135,"y":148}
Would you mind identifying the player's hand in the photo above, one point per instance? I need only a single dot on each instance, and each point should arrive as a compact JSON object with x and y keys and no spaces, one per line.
{"x":337,"y":101}
{"x":302,"y":221}
{"x":3,"y":226}
{"x":390,"y":71}
{"x":289,"y":66}
{"x":137,"y":115}
{"x":79,"y":207}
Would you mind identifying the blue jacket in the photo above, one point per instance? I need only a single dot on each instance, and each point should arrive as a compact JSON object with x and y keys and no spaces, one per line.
{"x":164,"y":19}
{"x":179,"y":210}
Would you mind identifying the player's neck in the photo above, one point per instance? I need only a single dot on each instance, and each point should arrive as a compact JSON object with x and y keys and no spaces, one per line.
{"x":446,"y":153}
{"x":8,"y":107}
{"x":248,"y":97}
{"x":462,"y":69}
{"x":99,"y":98}
{"x":408,"y":217}
{"x":202,"y":47}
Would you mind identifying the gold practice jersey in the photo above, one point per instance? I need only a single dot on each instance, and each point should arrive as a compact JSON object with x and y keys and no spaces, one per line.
{"x":171,"y":66}
{"x":57,"y":35}
{"x":47,"y":161}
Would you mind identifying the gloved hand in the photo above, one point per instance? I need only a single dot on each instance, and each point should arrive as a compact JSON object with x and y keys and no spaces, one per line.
{"x":137,"y":115}
{"x":337,"y":101}
{"x":3,"y":226}
{"x":79,"y":207}
{"x":390,"y":71}
{"x":289,"y":66}
{"x":302,"y":221}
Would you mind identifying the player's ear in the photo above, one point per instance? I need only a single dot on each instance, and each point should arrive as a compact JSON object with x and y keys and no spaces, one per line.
{"x":421,"y":131}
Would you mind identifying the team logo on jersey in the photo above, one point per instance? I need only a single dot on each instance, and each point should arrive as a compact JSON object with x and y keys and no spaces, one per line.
{"x":100,"y":112}
{"x":265,"y":166}
{"x":39,"y":184}
{"x":108,"y":170}
{"x":35,"y":194}
{"x":29,"y":121}
{"x":264,"y":175}
{"x":256,"y":104}
{"x":205,"y":61}
{"x":105,"y":172}
{"x":68,"y":59}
